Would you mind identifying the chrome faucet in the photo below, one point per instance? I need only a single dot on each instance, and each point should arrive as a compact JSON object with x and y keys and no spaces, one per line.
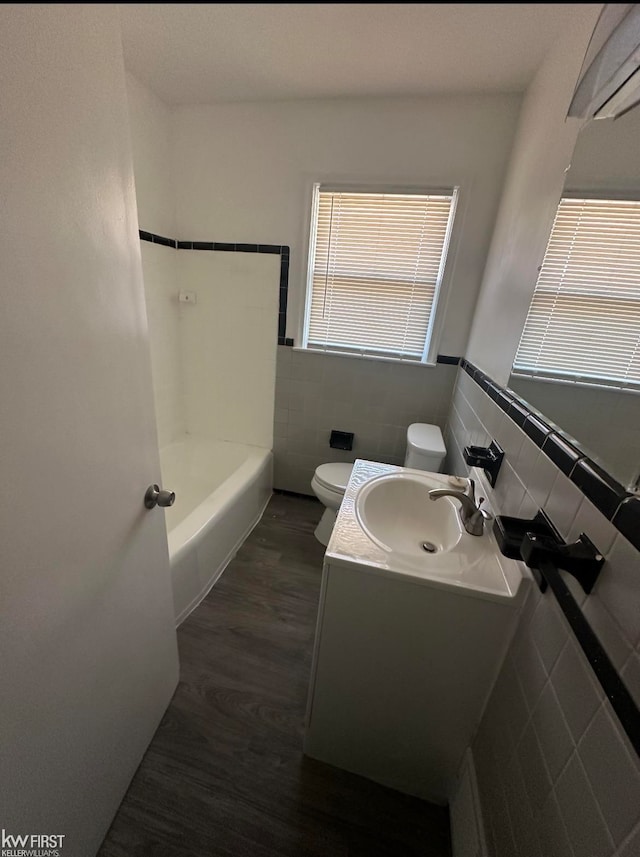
{"x":471,"y":514}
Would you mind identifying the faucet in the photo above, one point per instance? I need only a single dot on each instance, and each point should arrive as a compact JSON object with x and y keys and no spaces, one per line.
{"x":471,"y":515}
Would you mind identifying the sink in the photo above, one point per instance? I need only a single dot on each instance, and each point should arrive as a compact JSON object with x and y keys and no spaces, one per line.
{"x":423,"y":632}
{"x":395,"y":512}
{"x":388,"y":525}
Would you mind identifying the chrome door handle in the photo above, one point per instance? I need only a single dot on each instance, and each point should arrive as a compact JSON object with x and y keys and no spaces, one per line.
{"x":155,"y":497}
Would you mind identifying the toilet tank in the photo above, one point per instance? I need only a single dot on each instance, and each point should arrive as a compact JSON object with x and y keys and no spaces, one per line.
{"x":425,"y":447}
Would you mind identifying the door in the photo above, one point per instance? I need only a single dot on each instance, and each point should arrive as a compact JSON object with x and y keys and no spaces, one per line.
{"x":88,"y":658}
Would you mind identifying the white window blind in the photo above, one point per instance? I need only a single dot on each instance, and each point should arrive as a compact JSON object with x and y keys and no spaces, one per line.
{"x":584,"y":319}
{"x":376,"y":266}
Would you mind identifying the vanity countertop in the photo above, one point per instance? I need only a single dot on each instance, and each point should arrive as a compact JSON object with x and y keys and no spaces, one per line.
{"x":474,"y":566}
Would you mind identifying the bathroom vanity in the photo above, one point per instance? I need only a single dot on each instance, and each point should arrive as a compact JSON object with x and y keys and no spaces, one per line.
{"x":409,"y":640}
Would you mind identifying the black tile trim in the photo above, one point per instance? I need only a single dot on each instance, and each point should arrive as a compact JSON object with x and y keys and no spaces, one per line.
{"x":448,"y":361}
{"x":595,"y":483}
{"x":518,"y":413}
{"x":536,"y":429}
{"x":561,"y":452}
{"x":627,"y":520}
{"x":605,"y":492}
{"x":619,"y":697}
{"x":502,"y":399}
{"x":484,"y":381}
{"x":283,"y":250}
{"x":156,"y":239}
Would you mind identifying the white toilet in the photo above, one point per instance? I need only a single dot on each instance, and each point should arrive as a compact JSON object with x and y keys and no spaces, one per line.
{"x":425,"y":451}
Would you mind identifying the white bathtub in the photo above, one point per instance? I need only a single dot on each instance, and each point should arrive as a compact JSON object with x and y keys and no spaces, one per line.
{"x":221,"y":492}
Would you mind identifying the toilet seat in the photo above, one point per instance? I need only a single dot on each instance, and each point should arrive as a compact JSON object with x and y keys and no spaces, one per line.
{"x":334,"y":476}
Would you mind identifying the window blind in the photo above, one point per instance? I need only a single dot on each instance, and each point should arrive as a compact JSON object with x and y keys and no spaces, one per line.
{"x":584,"y":319}
{"x":375,"y":271}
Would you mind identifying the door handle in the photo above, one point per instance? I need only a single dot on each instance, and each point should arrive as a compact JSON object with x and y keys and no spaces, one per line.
{"x":155,"y":497}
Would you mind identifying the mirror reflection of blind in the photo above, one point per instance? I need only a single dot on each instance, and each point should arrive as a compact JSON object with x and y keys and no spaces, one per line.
{"x":584,"y":319}
{"x":376,"y":270}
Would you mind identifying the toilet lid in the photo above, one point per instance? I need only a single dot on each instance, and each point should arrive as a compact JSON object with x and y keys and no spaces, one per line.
{"x":427,"y":438}
{"x":334,"y":476}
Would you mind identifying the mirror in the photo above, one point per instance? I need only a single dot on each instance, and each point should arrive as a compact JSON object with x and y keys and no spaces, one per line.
{"x":604,"y":421}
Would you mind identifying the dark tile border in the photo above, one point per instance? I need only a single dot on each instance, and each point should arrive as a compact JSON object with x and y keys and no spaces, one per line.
{"x":605,"y":492}
{"x":448,"y":361}
{"x":561,"y":452}
{"x":620,"y":507}
{"x":157,"y":239}
{"x":281,"y":250}
{"x":536,"y":429}
{"x":627,"y":520}
{"x":518,"y":413}
{"x":615,"y":689}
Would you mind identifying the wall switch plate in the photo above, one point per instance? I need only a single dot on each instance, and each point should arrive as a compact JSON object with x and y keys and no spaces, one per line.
{"x":187,"y":297}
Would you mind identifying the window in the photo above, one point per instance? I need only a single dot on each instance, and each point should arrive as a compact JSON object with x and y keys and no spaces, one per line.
{"x":584,"y":319}
{"x":376,"y":262}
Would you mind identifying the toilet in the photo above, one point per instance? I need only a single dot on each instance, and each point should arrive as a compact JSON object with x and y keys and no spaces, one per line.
{"x":425,"y":451}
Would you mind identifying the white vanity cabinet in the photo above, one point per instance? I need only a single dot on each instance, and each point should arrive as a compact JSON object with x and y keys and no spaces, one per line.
{"x":403,"y":664}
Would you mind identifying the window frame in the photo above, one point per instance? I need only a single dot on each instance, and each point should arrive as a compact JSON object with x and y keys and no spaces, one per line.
{"x":434,"y":329}
{"x":568,"y":378}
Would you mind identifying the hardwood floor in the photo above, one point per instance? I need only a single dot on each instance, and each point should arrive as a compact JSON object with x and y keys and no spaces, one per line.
{"x":225,"y":774}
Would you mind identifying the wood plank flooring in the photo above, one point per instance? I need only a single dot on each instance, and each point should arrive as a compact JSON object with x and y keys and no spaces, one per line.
{"x":225,"y":775}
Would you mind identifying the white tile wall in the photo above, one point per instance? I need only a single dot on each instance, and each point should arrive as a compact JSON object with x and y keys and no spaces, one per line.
{"x":375,"y":400}
{"x":213,"y":362}
{"x":556,"y":773}
{"x":229,"y":344}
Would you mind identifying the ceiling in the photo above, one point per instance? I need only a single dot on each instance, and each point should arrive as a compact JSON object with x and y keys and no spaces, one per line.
{"x":211,"y":52}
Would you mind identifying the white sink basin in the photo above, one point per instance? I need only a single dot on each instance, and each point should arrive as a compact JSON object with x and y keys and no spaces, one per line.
{"x":386,"y":518}
{"x":395,"y":512}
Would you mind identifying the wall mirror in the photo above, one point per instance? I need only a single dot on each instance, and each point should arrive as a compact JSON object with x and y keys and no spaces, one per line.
{"x":578,"y":363}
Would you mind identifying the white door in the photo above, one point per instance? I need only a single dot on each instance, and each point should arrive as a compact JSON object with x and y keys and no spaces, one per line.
{"x":88,"y":658}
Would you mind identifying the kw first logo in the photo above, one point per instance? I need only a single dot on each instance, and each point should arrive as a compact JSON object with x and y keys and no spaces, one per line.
{"x":31,"y":844}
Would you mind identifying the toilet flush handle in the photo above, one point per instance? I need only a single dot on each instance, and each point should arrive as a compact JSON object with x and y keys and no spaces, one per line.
{"x":155,"y":497}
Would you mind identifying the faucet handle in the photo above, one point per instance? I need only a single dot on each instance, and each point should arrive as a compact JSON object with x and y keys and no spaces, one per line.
{"x":486,"y":515}
{"x":471,"y":489}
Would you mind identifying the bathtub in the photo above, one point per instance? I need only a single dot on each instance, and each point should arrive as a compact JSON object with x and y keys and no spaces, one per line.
{"x":221,"y":490}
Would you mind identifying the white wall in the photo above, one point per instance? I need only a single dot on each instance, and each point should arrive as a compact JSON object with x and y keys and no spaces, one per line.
{"x":244,"y":172}
{"x":541,"y":154}
{"x":607,"y":155}
{"x":150,"y":123}
{"x":229,"y":342}
{"x":151,"y":141}
{"x":214,"y":362}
